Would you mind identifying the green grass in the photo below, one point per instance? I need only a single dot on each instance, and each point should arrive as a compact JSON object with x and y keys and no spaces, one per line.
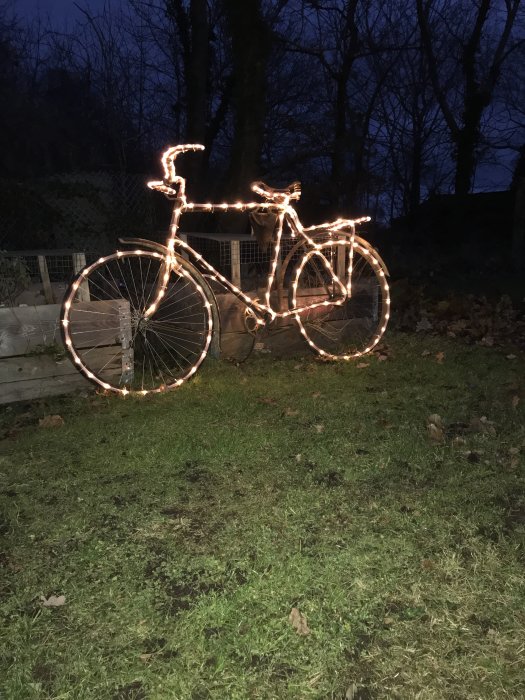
{"x":182,"y":529}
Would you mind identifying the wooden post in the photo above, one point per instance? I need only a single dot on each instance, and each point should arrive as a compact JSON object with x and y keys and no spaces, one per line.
{"x":79,"y":262}
{"x":124,"y":312}
{"x":46,"y":282}
{"x":235,"y":261}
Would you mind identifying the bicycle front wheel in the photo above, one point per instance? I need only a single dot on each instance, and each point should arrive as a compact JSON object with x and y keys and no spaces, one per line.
{"x":112,"y":340}
{"x":337,"y":327}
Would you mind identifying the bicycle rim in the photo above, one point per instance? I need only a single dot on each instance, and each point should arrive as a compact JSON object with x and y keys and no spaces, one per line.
{"x":115,"y":344}
{"x":336,"y":328}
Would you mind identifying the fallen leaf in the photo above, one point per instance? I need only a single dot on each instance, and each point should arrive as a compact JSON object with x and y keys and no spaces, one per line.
{"x":363,"y":365}
{"x":53,"y":601}
{"x":514,"y":462}
{"x":298,"y":457}
{"x":316,"y":395}
{"x":290,"y":412}
{"x":382,"y":358}
{"x":145,"y":658}
{"x":487,"y":340}
{"x":388,"y":621}
{"x":440,"y":356}
{"x":458,"y":442}
{"x":55,"y":421}
{"x":427,"y":564}
{"x":435,"y":427}
{"x":510,"y":357}
{"x":435,"y":433}
{"x":487,"y":426}
{"x":319,"y":427}
{"x":436,"y":419}
{"x":298,"y":621}
{"x":515,"y":401}
{"x":426,"y":353}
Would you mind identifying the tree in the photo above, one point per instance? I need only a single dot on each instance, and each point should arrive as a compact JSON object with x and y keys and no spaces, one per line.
{"x":482,"y":49}
{"x":250,"y":47}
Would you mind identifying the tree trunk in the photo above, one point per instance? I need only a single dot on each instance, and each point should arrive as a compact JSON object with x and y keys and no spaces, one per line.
{"x":415,"y":180}
{"x":339,"y":147}
{"x":250,"y":47}
{"x":196,"y":69}
{"x":197,"y":73}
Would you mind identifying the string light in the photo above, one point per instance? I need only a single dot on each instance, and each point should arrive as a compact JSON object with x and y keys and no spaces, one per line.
{"x":277,"y":202}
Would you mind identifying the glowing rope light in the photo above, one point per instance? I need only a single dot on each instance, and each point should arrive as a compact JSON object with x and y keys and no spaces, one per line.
{"x":277,"y":201}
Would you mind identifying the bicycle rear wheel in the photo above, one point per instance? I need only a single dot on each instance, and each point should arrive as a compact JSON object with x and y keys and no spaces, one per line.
{"x":112,"y":340}
{"x":340,"y":328}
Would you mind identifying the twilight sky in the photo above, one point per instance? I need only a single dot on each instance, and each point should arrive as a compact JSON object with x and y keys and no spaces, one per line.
{"x":58,"y":10}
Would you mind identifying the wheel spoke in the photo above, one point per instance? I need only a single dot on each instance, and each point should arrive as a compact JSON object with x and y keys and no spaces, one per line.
{"x":347,"y":327}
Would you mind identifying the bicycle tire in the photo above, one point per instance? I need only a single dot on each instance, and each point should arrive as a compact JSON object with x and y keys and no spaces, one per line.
{"x":337,"y":329}
{"x":115,"y":344}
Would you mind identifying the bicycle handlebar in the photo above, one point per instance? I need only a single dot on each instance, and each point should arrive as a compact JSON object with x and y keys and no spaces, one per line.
{"x":168,"y":160}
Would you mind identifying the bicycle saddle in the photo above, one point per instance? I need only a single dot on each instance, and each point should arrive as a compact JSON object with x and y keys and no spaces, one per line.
{"x":293,"y":191}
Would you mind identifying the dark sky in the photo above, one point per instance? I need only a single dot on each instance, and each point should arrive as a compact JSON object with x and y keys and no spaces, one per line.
{"x":57,"y":10}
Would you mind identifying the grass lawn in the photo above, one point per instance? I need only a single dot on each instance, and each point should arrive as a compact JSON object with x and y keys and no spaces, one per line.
{"x":183,"y":529}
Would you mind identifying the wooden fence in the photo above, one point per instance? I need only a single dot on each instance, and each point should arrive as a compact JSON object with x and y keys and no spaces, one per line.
{"x":33,"y":361}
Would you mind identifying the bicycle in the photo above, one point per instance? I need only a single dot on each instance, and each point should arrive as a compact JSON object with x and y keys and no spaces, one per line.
{"x":144,"y":320}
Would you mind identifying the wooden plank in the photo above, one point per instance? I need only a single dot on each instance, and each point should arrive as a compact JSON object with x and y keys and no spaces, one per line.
{"x":235,"y":346}
{"x":231,"y":312}
{"x":46,"y":282}
{"x":25,"y":329}
{"x":36,"y":367}
{"x":98,"y":322}
{"x":79,"y":263}
{"x":40,"y":375}
{"x":37,"y":389}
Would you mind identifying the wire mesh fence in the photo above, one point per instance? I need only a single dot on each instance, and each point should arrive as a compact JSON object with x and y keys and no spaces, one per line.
{"x":241,"y":257}
{"x":41,"y":276}
{"x":35,"y":277}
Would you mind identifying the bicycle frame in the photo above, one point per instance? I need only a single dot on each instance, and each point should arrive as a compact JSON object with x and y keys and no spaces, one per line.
{"x":328,"y":249}
{"x":285,"y":214}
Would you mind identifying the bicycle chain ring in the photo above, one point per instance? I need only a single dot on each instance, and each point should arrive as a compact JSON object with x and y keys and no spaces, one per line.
{"x":251,"y":321}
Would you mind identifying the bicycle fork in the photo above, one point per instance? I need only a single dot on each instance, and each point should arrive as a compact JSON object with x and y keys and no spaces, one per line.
{"x":170,"y":263}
